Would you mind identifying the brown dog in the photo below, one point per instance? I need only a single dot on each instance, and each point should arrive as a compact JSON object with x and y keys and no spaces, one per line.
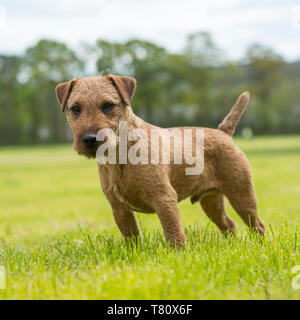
{"x":95,"y":103}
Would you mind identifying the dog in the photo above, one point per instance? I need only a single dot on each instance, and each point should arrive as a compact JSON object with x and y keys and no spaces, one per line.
{"x":95,"y":103}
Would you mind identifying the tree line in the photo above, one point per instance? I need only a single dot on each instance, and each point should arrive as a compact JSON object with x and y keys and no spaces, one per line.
{"x":196,"y":86}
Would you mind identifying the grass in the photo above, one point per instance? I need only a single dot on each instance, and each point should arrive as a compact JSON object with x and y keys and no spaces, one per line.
{"x":58,"y":239}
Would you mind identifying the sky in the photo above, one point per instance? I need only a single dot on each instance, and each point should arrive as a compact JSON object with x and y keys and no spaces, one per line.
{"x":233,"y":24}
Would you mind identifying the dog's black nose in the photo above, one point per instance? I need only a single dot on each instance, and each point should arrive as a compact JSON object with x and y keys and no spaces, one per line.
{"x":90,"y":140}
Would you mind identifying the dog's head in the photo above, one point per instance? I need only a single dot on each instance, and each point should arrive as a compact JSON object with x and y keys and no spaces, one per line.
{"x":92,"y":104}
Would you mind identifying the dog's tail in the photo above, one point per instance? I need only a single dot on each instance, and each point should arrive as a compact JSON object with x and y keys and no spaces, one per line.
{"x":230,"y":122}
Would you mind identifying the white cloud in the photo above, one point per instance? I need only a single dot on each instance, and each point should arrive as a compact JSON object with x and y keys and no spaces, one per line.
{"x":233,"y":24}
{"x":2,"y":19}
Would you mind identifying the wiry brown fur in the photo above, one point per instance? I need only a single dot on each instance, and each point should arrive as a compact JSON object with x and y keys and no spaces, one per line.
{"x":158,"y":188}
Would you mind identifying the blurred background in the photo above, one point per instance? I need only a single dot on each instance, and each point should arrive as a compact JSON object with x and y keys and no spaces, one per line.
{"x":191,"y":60}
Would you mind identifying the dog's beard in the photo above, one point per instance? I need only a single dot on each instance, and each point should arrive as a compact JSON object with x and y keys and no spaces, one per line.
{"x":83,"y":151}
{"x":90,"y":154}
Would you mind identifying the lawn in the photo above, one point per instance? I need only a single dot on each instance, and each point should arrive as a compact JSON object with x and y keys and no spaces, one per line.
{"x":58,"y":239}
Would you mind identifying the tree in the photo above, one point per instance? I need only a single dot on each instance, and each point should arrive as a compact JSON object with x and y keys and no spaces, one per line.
{"x":10,"y":116}
{"x":200,"y":62}
{"x":43,"y":66}
{"x":265,"y":74}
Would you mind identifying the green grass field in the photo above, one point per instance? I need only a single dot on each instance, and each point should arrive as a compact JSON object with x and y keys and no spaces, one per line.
{"x":59,"y":240}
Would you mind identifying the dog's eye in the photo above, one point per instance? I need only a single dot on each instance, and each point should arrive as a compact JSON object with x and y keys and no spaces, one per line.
{"x":76,"y":110}
{"x":107,"y":107}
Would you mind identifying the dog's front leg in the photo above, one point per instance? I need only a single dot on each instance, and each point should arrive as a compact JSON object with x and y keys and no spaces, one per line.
{"x":126,"y":222}
{"x":167,"y":210}
{"x":124,"y":218}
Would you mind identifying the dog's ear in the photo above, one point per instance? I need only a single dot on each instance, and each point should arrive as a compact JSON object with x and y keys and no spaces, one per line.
{"x":63,"y":91}
{"x":125,"y":87}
